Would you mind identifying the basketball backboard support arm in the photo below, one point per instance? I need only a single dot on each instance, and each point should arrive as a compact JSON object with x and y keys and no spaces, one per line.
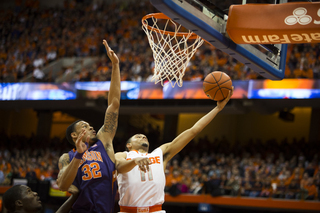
{"x":213,"y":30}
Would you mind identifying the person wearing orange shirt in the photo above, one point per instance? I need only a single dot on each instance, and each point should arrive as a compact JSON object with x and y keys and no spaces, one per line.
{"x":312,"y":189}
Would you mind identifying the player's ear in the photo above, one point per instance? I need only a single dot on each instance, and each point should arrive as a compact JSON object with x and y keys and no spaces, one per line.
{"x":74,"y":134}
{"x":18,"y":203}
{"x":128,"y":145}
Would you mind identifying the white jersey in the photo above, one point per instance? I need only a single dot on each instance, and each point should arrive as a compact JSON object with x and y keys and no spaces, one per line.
{"x":140,"y":189}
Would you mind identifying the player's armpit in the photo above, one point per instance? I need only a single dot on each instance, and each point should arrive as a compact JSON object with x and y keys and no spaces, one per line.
{"x":167,"y":153}
{"x":169,"y":150}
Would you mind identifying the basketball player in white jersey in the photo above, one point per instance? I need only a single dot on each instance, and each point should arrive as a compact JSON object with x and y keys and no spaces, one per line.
{"x":141,"y":177}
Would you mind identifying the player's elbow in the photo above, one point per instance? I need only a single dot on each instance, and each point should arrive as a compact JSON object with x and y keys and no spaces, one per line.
{"x":115,"y":103}
{"x":63,"y":188}
{"x":194,"y":131}
{"x":121,"y":169}
{"x":61,"y":185}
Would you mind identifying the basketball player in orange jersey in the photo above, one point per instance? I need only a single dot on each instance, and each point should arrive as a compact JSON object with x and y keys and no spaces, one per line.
{"x":141,"y":177}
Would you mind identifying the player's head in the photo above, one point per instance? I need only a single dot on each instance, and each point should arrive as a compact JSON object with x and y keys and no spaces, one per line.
{"x":74,"y":130}
{"x":138,"y":142}
{"x":21,"y":198}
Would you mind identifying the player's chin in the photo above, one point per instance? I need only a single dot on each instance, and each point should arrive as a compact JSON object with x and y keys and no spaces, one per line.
{"x":146,"y":145}
{"x":38,"y":205}
{"x":93,"y":140}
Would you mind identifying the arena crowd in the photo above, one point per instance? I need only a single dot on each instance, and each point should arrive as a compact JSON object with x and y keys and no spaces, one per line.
{"x":34,"y":36}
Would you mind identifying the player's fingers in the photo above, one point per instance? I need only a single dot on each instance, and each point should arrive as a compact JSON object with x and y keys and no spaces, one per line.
{"x":83,"y":132}
{"x":230,"y":93}
{"x":142,"y":168}
{"x":145,"y":164}
{"x":149,"y":161}
{"x":105,"y":43}
{"x":107,"y":47}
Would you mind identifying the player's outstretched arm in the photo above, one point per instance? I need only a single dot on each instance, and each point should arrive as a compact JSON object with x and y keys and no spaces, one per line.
{"x":108,"y":130}
{"x":171,"y":149}
{"x":68,"y":170}
{"x":67,"y":205}
{"x":123,"y":165}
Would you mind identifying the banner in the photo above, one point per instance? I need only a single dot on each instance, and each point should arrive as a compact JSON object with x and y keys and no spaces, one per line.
{"x":37,"y":91}
{"x":274,"y":23}
{"x":285,"y":89}
{"x":250,"y":89}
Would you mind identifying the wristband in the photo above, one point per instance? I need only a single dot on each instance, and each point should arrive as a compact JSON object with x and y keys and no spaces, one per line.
{"x":78,"y":155}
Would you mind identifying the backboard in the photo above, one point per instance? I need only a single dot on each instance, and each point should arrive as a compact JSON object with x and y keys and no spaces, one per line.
{"x":208,"y":19}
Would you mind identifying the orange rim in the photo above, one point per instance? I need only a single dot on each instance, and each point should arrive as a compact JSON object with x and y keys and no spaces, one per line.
{"x":163,"y":16}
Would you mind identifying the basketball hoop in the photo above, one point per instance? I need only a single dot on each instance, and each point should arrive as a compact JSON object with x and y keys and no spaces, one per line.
{"x":172,"y":49}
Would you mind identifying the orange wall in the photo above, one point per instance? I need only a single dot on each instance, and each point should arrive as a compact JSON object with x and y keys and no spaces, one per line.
{"x":243,"y":127}
{"x":235,"y":127}
{"x":60,"y":122}
{"x":23,"y":122}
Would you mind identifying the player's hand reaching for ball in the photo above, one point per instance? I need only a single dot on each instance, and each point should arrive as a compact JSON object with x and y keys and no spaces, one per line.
{"x":222,"y":104}
{"x":113,"y":57}
{"x":80,"y":145}
{"x":143,"y":163}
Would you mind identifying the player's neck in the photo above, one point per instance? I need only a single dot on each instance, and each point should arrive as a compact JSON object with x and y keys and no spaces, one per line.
{"x":142,"y":151}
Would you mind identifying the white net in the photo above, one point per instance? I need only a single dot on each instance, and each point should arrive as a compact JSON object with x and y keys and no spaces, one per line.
{"x":172,"y":49}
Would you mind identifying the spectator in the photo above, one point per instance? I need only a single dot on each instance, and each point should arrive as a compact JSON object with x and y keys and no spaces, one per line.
{"x":311,"y":190}
{"x":266,"y":188}
{"x":280,"y":190}
{"x":256,"y":188}
{"x":293,"y":189}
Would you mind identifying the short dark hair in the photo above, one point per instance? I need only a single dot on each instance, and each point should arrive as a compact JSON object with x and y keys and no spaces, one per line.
{"x":11,"y":196}
{"x":71,"y":129}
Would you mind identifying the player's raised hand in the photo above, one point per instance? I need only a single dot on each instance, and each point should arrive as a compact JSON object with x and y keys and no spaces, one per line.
{"x":80,"y":145}
{"x":113,"y":57}
{"x":143,"y":163}
{"x":222,"y":104}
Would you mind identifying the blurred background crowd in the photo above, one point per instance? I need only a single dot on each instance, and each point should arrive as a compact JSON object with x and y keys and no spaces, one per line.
{"x":278,"y":169}
{"x":286,"y":169}
{"x":32,"y":37}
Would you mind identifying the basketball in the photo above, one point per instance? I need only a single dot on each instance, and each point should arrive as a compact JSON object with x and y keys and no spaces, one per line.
{"x":217,"y":85}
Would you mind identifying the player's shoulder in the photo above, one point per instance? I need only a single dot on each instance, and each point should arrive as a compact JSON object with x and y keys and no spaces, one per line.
{"x":66,"y":155}
{"x":121,"y":154}
{"x":157,"y":150}
{"x":160,"y":148}
{"x":64,"y":160}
